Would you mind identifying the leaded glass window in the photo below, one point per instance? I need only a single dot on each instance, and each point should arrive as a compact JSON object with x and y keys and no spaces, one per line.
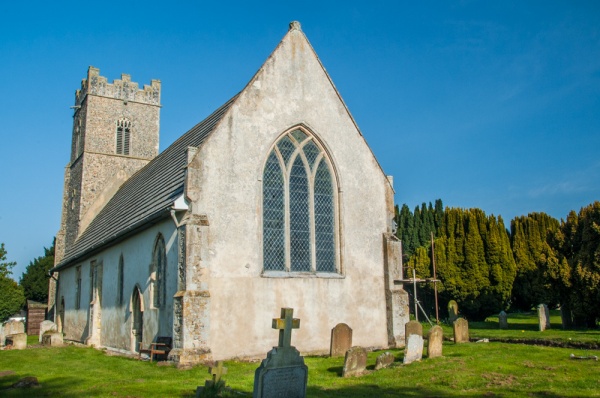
{"x":158,"y":272}
{"x":299,"y":227}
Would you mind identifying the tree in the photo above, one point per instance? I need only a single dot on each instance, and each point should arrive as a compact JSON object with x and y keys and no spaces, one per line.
{"x":35,"y":278}
{"x":11,"y":294}
{"x":580,"y":246}
{"x":539,"y":276}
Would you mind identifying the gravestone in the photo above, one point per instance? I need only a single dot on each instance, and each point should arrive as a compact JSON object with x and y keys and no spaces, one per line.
{"x":283,"y":373}
{"x":414,"y":349}
{"x":46,"y":326}
{"x":503,"y":320}
{"x":544,"y":317}
{"x":384,"y":360}
{"x":435,"y":338}
{"x":217,"y":373}
{"x":412,"y":327}
{"x":452,"y":311}
{"x":17,"y":341}
{"x":566,"y":316}
{"x":355,"y":362}
{"x":341,"y":340}
{"x":14,"y":327}
{"x":52,"y":339}
{"x":461,"y":331}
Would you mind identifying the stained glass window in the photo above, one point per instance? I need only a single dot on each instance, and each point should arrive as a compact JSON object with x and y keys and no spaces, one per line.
{"x":299,"y":233}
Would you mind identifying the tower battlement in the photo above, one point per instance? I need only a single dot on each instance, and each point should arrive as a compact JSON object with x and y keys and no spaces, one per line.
{"x":123,"y":89}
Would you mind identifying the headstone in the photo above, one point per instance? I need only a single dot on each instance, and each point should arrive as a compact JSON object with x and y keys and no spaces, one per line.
{"x":36,"y":313}
{"x":217,"y":373}
{"x":503,"y":320}
{"x":412,"y":327}
{"x":435,"y":338}
{"x":452,"y":311}
{"x":14,"y":327}
{"x":17,"y":341}
{"x":341,"y":340}
{"x":544,"y":317}
{"x":52,"y":339}
{"x":461,"y":331}
{"x":566,"y":316}
{"x":283,"y":373}
{"x":46,"y":326}
{"x":355,"y":362}
{"x":2,"y":336}
{"x":384,"y":360}
{"x":414,"y":349}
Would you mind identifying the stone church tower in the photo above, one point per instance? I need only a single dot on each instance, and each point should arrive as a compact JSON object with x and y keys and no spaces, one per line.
{"x":115,"y":133}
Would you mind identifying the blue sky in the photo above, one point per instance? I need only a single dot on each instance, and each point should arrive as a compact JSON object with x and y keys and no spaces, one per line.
{"x":494,"y":105}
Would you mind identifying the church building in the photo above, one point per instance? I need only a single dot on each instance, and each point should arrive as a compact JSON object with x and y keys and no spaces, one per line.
{"x":274,"y":200}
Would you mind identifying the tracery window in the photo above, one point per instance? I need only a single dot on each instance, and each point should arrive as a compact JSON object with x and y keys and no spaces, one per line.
{"x":299,"y":227}
{"x":123,"y":136}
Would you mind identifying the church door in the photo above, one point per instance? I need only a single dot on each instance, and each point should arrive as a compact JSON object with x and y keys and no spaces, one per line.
{"x":137,"y":324}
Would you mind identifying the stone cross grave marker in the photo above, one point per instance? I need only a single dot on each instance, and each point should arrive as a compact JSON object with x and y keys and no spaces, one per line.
{"x":435,"y":338}
{"x":544,"y":317}
{"x":452,"y":311}
{"x":414,"y":349}
{"x":355,"y":362}
{"x":217,"y":372}
{"x":341,"y":340}
{"x":503,"y":320}
{"x":461,"y":331}
{"x":412,"y":327}
{"x":283,"y":373}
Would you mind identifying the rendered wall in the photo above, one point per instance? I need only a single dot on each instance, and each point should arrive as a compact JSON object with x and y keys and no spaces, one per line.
{"x":225,"y":185}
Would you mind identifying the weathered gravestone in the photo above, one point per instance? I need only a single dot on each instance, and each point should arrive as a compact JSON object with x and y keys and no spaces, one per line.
{"x":17,"y":341}
{"x":461,"y":331}
{"x":283,"y":373}
{"x":544,"y":317}
{"x":355,"y":362}
{"x":53,"y":339}
{"x":435,"y":338}
{"x":452,"y":311}
{"x":384,"y":360}
{"x":412,"y":327}
{"x":14,"y":327}
{"x":46,"y":326}
{"x":341,"y":340}
{"x":414,"y":349}
{"x":503,"y":320}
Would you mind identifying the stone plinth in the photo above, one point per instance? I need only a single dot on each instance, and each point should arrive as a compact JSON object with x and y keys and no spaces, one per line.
{"x":17,"y":341}
{"x":52,"y":339}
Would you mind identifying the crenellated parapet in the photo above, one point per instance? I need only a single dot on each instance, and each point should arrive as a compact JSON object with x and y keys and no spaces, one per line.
{"x":123,"y":89}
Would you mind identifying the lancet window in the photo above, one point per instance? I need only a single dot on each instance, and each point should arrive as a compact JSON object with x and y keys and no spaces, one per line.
{"x":123,"y":136}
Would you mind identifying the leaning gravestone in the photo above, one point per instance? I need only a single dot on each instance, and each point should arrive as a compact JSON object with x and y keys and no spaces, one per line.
{"x":46,"y":326}
{"x":503,"y":320}
{"x":544,"y":317}
{"x":414,"y":349}
{"x":341,"y":340}
{"x":452,"y":311}
{"x":461,"y":331}
{"x":412,"y":327}
{"x":435,"y":338}
{"x":283,"y":373}
{"x":355,"y":362}
{"x":384,"y":360}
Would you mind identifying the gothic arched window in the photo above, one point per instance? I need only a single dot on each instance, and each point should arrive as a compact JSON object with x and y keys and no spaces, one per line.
{"x":123,"y":136}
{"x":299,"y":196}
{"x":158,"y":273}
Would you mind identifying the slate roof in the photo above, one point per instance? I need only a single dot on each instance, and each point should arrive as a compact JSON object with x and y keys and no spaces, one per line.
{"x":145,"y":198}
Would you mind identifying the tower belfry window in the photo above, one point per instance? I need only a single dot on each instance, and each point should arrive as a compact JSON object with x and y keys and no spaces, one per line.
{"x":123,"y":136}
{"x":299,"y":196}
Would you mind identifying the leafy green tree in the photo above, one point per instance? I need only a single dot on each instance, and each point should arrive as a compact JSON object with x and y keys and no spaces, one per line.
{"x":35,"y":278}
{"x":539,"y":275}
{"x":580,"y":246}
{"x":11,"y":294}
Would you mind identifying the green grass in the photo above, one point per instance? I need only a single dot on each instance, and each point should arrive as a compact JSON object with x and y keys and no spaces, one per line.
{"x":466,"y":370}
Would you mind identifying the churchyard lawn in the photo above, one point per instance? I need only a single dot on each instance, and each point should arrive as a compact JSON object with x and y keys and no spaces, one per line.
{"x":465,"y":370}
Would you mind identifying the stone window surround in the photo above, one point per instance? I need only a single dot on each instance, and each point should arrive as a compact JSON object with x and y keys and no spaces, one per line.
{"x":337,"y":192}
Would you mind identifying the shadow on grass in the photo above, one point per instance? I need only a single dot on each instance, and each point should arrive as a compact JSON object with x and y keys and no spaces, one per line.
{"x":52,"y":387}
